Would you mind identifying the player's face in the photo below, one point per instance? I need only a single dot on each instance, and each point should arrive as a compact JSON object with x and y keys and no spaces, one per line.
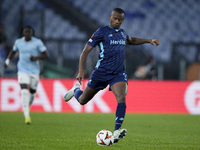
{"x":116,"y":20}
{"x":27,"y":32}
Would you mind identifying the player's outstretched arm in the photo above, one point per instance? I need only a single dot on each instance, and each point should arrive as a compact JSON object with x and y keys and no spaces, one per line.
{"x":138,"y":41}
{"x":10,"y":56}
{"x":82,"y":61}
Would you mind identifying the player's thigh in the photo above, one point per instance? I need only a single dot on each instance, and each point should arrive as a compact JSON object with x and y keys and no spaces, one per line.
{"x":23,"y":80}
{"x":87,"y":95}
{"x":34,"y":80}
{"x":119,"y":89}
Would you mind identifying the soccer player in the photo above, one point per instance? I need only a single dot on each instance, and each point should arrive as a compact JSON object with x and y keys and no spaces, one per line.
{"x":31,"y":50}
{"x":110,"y":69}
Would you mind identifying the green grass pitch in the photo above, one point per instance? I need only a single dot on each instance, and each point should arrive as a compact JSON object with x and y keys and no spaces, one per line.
{"x":74,"y":131}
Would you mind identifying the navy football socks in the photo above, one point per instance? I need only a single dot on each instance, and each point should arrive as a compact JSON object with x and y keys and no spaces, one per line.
{"x":77,"y":93}
{"x":120,"y":114}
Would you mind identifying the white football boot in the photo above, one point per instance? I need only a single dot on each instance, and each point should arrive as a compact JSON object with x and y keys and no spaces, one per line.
{"x":70,"y":93}
{"x":119,"y":134}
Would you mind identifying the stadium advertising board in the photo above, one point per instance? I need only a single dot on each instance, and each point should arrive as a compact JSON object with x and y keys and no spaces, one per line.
{"x":143,"y":97}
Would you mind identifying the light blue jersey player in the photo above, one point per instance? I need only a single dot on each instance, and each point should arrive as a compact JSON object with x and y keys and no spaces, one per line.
{"x":31,"y":50}
{"x":110,"y":69}
{"x":27,"y":49}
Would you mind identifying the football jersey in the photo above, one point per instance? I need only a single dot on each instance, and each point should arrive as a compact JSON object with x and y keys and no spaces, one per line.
{"x":27,"y":49}
{"x":112,"y":43}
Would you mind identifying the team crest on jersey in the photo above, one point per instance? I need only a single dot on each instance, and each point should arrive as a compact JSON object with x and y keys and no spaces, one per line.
{"x":123,"y":35}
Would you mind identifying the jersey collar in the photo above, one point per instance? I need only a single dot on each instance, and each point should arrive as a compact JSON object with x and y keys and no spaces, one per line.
{"x":27,"y":41}
{"x":117,"y":30}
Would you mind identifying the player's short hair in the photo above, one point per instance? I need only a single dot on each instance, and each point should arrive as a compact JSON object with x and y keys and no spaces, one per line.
{"x":27,"y":27}
{"x":119,"y":10}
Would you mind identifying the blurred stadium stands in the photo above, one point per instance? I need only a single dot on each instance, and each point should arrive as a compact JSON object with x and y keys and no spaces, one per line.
{"x":66,"y":25}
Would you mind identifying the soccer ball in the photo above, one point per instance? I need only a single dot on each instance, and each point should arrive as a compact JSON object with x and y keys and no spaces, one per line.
{"x":104,"y":138}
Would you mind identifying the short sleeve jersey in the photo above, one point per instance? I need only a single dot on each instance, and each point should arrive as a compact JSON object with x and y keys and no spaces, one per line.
{"x":112,"y":43}
{"x":27,"y":49}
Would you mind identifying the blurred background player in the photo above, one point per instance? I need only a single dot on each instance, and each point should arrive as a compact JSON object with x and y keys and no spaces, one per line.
{"x":110,"y":68}
{"x":31,"y":50}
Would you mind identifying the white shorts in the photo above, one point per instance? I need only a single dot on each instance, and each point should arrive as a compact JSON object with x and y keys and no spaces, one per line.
{"x":30,"y":79}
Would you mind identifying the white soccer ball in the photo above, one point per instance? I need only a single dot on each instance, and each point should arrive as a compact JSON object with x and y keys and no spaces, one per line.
{"x":104,"y":138}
